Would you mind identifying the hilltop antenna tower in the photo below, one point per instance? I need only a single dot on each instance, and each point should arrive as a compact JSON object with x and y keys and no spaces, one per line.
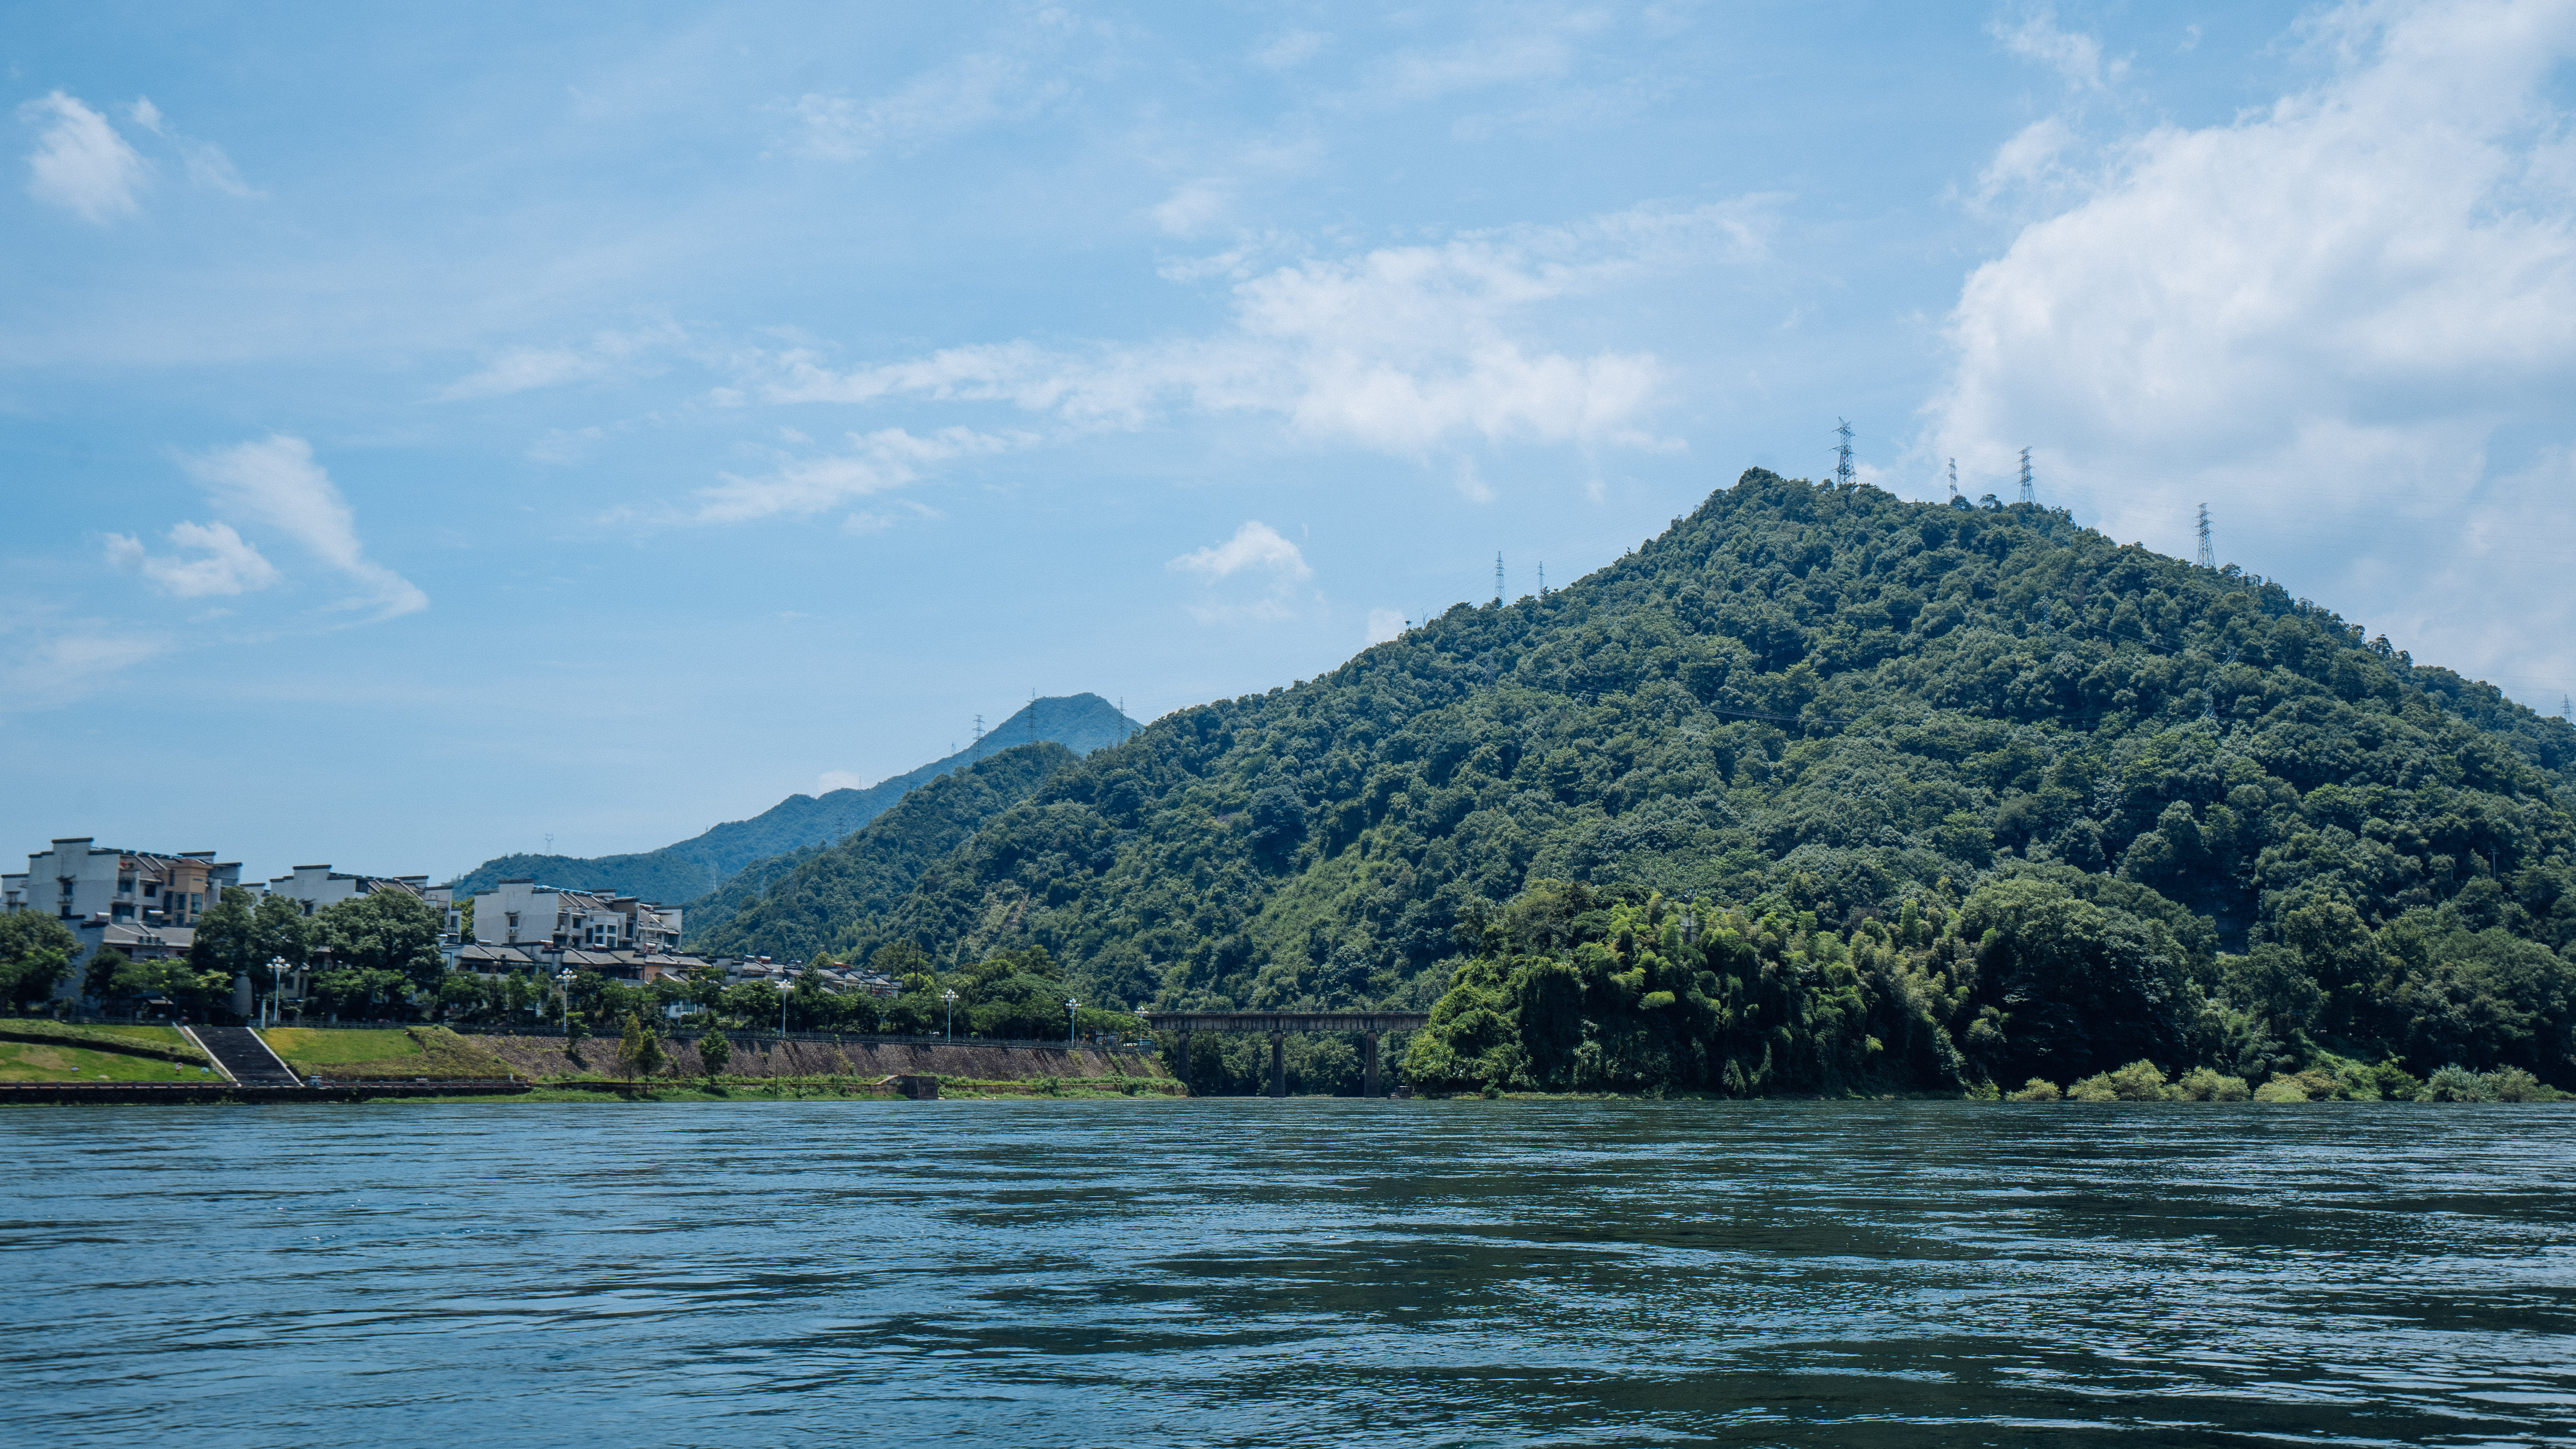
{"x":1954,"y":477}
{"x":2208,"y":556}
{"x":1498,"y":578}
{"x":2026,"y":495}
{"x":1842,"y":454}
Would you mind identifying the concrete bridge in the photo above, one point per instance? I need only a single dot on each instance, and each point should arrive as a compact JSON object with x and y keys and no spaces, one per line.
{"x":1277,"y":1025}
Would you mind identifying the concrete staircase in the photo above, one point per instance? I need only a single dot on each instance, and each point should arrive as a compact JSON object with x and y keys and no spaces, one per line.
{"x":242,"y":1056}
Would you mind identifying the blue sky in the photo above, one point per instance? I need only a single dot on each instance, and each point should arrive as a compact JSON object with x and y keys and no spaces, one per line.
{"x":428,"y":431}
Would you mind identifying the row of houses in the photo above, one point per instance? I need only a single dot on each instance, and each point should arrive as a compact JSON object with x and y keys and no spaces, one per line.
{"x":147,"y":906}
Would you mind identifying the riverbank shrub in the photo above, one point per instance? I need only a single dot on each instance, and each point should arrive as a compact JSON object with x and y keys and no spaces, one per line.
{"x":2200,"y":1084}
{"x":2038,"y":1089}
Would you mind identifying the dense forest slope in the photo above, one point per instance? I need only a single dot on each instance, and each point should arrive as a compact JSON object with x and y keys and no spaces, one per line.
{"x":698,"y":866}
{"x":1815,"y":707}
{"x":798,"y":912}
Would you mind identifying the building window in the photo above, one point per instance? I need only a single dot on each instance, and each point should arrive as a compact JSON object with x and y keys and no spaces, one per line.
{"x":151,"y":890}
{"x":125,"y":885}
{"x":196,"y":902}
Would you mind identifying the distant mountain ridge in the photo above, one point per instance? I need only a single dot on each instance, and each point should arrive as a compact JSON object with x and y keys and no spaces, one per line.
{"x":700,"y":865}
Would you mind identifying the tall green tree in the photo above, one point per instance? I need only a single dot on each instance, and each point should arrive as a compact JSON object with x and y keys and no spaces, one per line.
{"x":35,"y":955}
{"x":390,"y":931}
{"x":227,"y":937}
{"x":713,"y":1049}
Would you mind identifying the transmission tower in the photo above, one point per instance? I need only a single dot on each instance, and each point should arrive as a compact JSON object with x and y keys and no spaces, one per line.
{"x":1498,"y":578}
{"x":2208,"y":557}
{"x":1542,"y":578}
{"x":979,"y":729}
{"x":1842,"y":453}
{"x":2026,"y":495}
{"x":1954,"y":477}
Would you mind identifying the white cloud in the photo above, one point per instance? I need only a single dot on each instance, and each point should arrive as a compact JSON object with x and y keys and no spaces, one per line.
{"x":59,"y":663}
{"x":207,"y":164}
{"x":2316,"y":317}
{"x":1384,"y":624}
{"x":876,"y":463}
{"x":1517,"y":55}
{"x":2074,"y":55}
{"x":832,"y":780}
{"x":276,"y":483}
{"x":226,"y":565}
{"x":522,"y":369}
{"x":1402,"y":349}
{"x":1268,"y":569}
{"x":1290,"y":49}
{"x":80,"y":162}
{"x":1254,"y":546}
{"x":565,"y":447}
{"x":967,"y":94}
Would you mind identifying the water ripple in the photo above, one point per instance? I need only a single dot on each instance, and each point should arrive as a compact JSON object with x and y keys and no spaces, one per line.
{"x":1234,"y":1272}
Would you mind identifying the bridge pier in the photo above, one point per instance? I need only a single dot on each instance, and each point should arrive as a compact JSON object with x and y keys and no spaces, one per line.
{"x":1276,"y":1025}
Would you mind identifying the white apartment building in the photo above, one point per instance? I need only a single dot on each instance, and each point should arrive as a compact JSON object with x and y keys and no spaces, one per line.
{"x":89,"y":887}
{"x":523,"y":913}
{"x":318,"y":886}
{"x":140,"y":902}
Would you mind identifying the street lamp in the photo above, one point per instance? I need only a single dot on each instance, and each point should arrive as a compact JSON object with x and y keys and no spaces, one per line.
{"x":1069,"y":1007}
{"x":565,"y":980}
{"x":783,"y":989}
{"x":276,"y":984}
{"x":951,"y":998}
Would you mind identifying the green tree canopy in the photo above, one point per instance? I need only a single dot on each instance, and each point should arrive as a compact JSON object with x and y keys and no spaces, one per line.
{"x":35,"y":955}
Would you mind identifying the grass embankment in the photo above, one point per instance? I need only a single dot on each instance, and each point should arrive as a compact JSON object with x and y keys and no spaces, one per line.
{"x":35,"y":1050}
{"x":343,"y":1055}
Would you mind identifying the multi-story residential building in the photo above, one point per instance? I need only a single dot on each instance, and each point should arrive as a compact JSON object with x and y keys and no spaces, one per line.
{"x":142,"y":903}
{"x":318,"y":886}
{"x":89,"y":887}
{"x":523,"y":913}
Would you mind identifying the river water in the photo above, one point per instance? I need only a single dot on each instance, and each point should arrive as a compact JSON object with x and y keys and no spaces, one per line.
{"x":1247,"y":1272}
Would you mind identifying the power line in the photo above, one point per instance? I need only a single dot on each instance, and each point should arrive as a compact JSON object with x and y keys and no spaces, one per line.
{"x":2026,"y":495}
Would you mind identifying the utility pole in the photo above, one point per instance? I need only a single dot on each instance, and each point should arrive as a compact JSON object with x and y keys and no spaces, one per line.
{"x":2026,"y":495}
{"x":1843,"y":454}
{"x":2208,"y":556}
{"x":1954,"y":477}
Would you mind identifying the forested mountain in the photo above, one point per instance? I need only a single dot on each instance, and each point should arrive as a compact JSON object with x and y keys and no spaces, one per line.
{"x":698,"y":866}
{"x":2170,"y":789}
{"x":830,"y":889}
